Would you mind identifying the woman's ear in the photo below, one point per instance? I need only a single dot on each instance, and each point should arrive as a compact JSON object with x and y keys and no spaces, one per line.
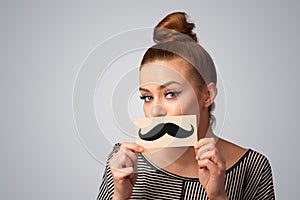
{"x":211,"y":94}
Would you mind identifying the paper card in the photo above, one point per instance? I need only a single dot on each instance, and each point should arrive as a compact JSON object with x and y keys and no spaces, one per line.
{"x":172,"y":131}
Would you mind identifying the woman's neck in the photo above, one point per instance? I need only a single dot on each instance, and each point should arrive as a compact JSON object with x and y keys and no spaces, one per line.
{"x":176,"y":160}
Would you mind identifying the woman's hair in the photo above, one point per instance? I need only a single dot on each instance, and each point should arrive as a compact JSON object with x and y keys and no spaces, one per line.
{"x":174,"y":38}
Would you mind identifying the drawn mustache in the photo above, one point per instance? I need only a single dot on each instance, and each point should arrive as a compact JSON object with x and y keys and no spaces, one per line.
{"x":165,"y":128}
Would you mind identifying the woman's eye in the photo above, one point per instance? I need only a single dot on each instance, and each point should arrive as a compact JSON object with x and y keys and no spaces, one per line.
{"x":146,"y":98}
{"x":171,"y":95}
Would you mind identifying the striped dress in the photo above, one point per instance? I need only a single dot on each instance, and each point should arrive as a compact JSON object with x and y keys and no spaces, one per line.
{"x":248,"y":179}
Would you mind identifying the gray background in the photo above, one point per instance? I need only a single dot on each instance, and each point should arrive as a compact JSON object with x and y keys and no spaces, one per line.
{"x":255,"y":45}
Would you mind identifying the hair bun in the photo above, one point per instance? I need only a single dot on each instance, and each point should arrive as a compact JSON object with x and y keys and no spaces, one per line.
{"x":174,"y":27}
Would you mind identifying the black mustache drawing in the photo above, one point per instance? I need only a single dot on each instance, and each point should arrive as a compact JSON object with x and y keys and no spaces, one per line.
{"x":166,"y":128}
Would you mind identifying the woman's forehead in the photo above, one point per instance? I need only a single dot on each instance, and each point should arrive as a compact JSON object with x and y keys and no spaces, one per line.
{"x":162,"y":72}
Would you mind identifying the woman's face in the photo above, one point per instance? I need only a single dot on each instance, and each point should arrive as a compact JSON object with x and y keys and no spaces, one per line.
{"x":167,"y":90}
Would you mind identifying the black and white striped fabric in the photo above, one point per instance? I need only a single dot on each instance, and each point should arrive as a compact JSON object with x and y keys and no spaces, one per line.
{"x":250,"y":178}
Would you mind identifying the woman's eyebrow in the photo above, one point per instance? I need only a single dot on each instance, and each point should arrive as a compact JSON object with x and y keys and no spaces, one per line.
{"x":169,"y":83}
{"x":161,"y":86}
{"x":144,"y":89}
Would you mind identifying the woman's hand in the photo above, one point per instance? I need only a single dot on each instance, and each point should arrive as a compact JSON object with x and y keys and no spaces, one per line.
{"x":123,"y":166}
{"x":212,"y":168}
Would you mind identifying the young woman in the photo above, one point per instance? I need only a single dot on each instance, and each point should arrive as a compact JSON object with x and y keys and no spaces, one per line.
{"x":178,"y":77}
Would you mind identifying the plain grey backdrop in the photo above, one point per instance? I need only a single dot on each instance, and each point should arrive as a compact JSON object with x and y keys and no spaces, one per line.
{"x":255,"y":45}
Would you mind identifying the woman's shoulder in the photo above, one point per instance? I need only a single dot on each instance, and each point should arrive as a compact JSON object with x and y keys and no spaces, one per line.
{"x":234,"y":155}
{"x":249,"y":168}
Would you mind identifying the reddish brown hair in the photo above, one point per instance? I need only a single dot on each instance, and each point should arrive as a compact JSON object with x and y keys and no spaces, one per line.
{"x":175,"y":39}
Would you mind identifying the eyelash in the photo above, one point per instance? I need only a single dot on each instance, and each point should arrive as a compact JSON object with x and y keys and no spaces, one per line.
{"x":174,"y":94}
{"x":145,"y":97}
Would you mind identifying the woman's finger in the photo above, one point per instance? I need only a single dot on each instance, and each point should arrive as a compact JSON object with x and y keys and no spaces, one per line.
{"x":204,"y":141}
{"x":126,"y":156}
{"x":212,"y":167}
{"x":120,"y":160}
{"x":204,"y":150}
{"x":132,"y":155}
{"x":216,"y":157}
{"x":209,"y":172}
{"x":123,"y":173}
{"x":131,"y":146}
